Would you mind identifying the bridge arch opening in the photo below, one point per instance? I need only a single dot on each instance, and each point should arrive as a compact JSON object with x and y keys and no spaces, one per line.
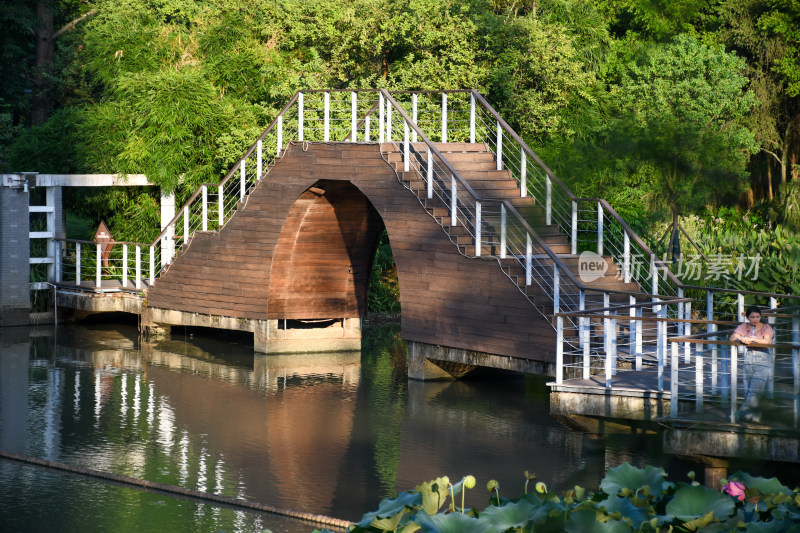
{"x":324,"y":256}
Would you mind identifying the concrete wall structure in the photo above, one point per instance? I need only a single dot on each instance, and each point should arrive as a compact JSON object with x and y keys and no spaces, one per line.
{"x":14,"y":255}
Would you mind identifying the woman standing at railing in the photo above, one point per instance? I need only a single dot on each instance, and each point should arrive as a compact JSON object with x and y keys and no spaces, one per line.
{"x":757,"y":362}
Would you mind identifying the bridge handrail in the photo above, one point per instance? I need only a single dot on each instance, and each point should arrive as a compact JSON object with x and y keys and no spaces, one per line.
{"x":509,"y":207}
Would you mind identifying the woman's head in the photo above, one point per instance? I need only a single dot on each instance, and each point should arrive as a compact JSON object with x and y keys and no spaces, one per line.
{"x":753,"y":314}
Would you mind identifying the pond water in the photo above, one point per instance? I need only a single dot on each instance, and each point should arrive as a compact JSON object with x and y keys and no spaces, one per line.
{"x":330,"y":434}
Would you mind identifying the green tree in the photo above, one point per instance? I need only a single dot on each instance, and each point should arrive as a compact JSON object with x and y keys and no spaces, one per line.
{"x":681,"y":107}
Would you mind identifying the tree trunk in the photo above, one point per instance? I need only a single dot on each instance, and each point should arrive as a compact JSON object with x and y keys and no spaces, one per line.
{"x":41,"y":103}
{"x":674,"y":239}
{"x":769,"y":180}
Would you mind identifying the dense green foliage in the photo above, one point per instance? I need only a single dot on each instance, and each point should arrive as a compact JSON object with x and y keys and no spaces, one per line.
{"x":629,"y":499}
{"x":664,"y":108}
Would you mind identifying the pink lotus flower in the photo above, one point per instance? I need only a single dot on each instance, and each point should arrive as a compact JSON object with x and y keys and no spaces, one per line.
{"x":735,"y":489}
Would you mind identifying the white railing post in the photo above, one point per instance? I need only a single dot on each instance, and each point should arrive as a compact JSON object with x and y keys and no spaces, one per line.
{"x":430,"y":174}
{"x":661,"y":344}
{"x":414,"y":116}
{"x":559,"y":349}
{"x":584,"y":324}
{"x":453,"y":200}
{"x":679,"y":325}
{"x":740,"y":307}
{"x":353,"y":116}
{"x":366,"y":128}
{"x":528,"y":259}
{"x":77,"y":263}
{"x":406,"y":148}
{"x":98,"y":263}
{"x":673,"y":382}
{"x":698,"y":382}
{"x":381,"y":111}
{"x":221,"y":205}
{"x":124,"y":266}
{"x":152,"y":264}
{"x":654,"y":274}
{"x":326,"y":123}
{"x":242,"y":182}
{"x":477,"y":229}
{"x":556,"y":289}
{"x":259,"y":159}
{"x":523,"y":171}
{"x":138,"y":267}
{"x":574,"y":238}
{"x":444,"y":117}
{"x":606,"y":324}
{"x":626,"y":258}
{"x":300,"y":120}
{"x":734,"y":381}
{"x":499,"y":146}
{"x":472,"y":118}
{"x":205,"y":208}
{"x":59,"y":266}
{"x":279,"y":141}
{"x":687,"y":331}
{"x":599,"y":229}
{"x":503,"y":231}
{"x":548,"y":202}
{"x":186,"y":224}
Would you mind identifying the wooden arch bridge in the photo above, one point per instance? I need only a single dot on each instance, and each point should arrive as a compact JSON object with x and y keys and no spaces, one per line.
{"x":499,"y":263}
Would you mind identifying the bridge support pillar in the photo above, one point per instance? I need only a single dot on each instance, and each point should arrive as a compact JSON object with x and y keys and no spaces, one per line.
{"x":15,"y":303}
{"x":431,"y":362}
{"x":275,"y":336}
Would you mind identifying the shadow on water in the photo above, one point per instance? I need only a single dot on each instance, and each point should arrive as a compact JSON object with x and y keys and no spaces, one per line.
{"x":321,"y":433}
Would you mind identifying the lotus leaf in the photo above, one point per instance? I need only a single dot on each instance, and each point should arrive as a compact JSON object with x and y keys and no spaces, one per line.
{"x":516,"y":514}
{"x":434,"y":493}
{"x":629,"y":477}
{"x":691,"y":503}
{"x":623,"y":506}
{"x":585,"y":521}
{"x":390,"y":507}
{"x":451,"y":523}
{"x":764,"y":485}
